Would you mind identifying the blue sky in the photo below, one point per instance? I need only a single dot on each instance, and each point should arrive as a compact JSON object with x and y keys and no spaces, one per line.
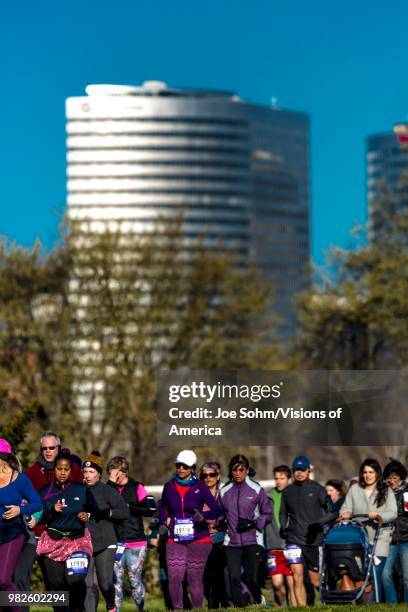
{"x":345,"y":63}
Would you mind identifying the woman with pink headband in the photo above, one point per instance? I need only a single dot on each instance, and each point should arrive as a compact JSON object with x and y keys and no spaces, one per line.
{"x":18,"y":500}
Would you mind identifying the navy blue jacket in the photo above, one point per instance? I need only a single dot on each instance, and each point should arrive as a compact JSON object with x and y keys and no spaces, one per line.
{"x":76,"y":497}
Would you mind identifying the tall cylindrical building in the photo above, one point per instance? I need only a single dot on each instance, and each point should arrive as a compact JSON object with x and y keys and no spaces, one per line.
{"x":238,"y":172}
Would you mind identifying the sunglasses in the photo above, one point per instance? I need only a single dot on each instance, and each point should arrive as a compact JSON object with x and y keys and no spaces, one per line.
{"x":44,"y":448}
{"x":209,"y":475}
{"x":183,"y":466}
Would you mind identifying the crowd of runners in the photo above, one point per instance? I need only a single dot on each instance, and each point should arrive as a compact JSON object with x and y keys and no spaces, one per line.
{"x":87,"y":523}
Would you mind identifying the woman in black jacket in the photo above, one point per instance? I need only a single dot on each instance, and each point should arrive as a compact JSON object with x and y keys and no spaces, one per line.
{"x":111,"y":508}
{"x":66,"y":544}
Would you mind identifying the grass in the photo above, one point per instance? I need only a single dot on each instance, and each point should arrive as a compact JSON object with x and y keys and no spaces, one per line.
{"x":156,"y":605}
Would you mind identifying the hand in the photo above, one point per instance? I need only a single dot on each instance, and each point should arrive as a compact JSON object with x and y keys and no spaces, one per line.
{"x":345,"y":516}
{"x":32,"y":522}
{"x":154,"y":542}
{"x":12,"y":513}
{"x":375,"y":516}
{"x":58,"y":506}
{"x":83,"y":516}
{"x":114,"y":475}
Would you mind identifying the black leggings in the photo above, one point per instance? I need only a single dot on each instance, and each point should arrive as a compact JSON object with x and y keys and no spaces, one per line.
{"x":214,"y":578}
{"x":59,"y":581}
{"x":102,"y":562}
{"x":246,"y":557}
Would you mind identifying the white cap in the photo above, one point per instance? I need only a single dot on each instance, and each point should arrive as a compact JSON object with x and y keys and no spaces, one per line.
{"x":188,"y":457}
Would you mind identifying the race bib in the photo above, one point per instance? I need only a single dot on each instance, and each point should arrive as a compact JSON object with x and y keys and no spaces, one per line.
{"x":271,"y":562}
{"x":77,"y":564}
{"x":293,"y":553}
{"x":183,"y":530}
{"x":120,"y":549}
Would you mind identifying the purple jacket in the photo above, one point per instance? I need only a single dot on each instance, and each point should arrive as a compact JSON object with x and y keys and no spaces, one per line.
{"x":246,"y":500}
{"x":173,"y":505}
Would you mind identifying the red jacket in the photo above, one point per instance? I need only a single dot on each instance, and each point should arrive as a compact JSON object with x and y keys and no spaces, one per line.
{"x":40,"y":477}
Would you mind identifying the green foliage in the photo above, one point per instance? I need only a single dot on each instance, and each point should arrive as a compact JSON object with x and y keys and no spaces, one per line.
{"x":360,"y":321}
{"x":15,"y":423}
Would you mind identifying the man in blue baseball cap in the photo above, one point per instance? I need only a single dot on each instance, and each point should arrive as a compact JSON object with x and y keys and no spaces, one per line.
{"x":303,"y":505}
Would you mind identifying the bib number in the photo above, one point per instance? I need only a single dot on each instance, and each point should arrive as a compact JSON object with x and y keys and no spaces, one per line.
{"x":271,"y":562}
{"x":293,"y":554}
{"x":77,"y":564}
{"x":183,"y":530}
{"x":120,"y":549}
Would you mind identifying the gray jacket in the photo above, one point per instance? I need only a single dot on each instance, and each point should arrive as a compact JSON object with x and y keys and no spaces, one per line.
{"x":357,"y":502}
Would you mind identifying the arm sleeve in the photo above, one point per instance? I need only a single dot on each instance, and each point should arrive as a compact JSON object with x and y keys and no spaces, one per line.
{"x":389,"y":511}
{"x":90,"y":504}
{"x":348,"y":502}
{"x":265,"y":510}
{"x":48,"y":507}
{"x":283,"y":514}
{"x":30,"y":494}
{"x":324,"y":499}
{"x":118,"y":506}
{"x":164,"y":510}
{"x":37,"y":515}
{"x":215,"y":509}
{"x":145,"y":505}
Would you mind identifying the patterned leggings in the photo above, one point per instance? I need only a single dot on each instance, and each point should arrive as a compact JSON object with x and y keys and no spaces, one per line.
{"x":190,"y":557}
{"x":133,"y":559}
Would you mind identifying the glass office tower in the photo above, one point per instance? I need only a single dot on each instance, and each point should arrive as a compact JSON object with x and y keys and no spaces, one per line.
{"x":239,"y":173}
{"x":387,"y":180}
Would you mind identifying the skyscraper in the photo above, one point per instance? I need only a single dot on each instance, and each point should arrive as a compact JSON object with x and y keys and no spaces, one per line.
{"x":239,"y":173}
{"x":387,"y":163}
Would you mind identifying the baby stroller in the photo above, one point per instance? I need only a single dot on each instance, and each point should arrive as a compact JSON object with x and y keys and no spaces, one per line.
{"x":347,"y":565}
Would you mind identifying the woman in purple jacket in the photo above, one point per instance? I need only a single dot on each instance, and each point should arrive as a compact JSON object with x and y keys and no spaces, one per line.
{"x":248,"y":510}
{"x":182,"y":518}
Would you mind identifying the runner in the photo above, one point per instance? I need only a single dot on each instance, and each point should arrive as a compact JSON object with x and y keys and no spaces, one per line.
{"x":395,"y":475}
{"x":247,"y":510}
{"x":112,"y":507}
{"x":278,"y":567}
{"x":132,"y":541}
{"x":303,"y":505}
{"x":40,"y":473}
{"x":158,"y":541}
{"x":183,"y":517}
{"x":373,"y":497}
{"x":214,"y":574}
{"x":65,"y":545}
{"x":15,"y":488}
